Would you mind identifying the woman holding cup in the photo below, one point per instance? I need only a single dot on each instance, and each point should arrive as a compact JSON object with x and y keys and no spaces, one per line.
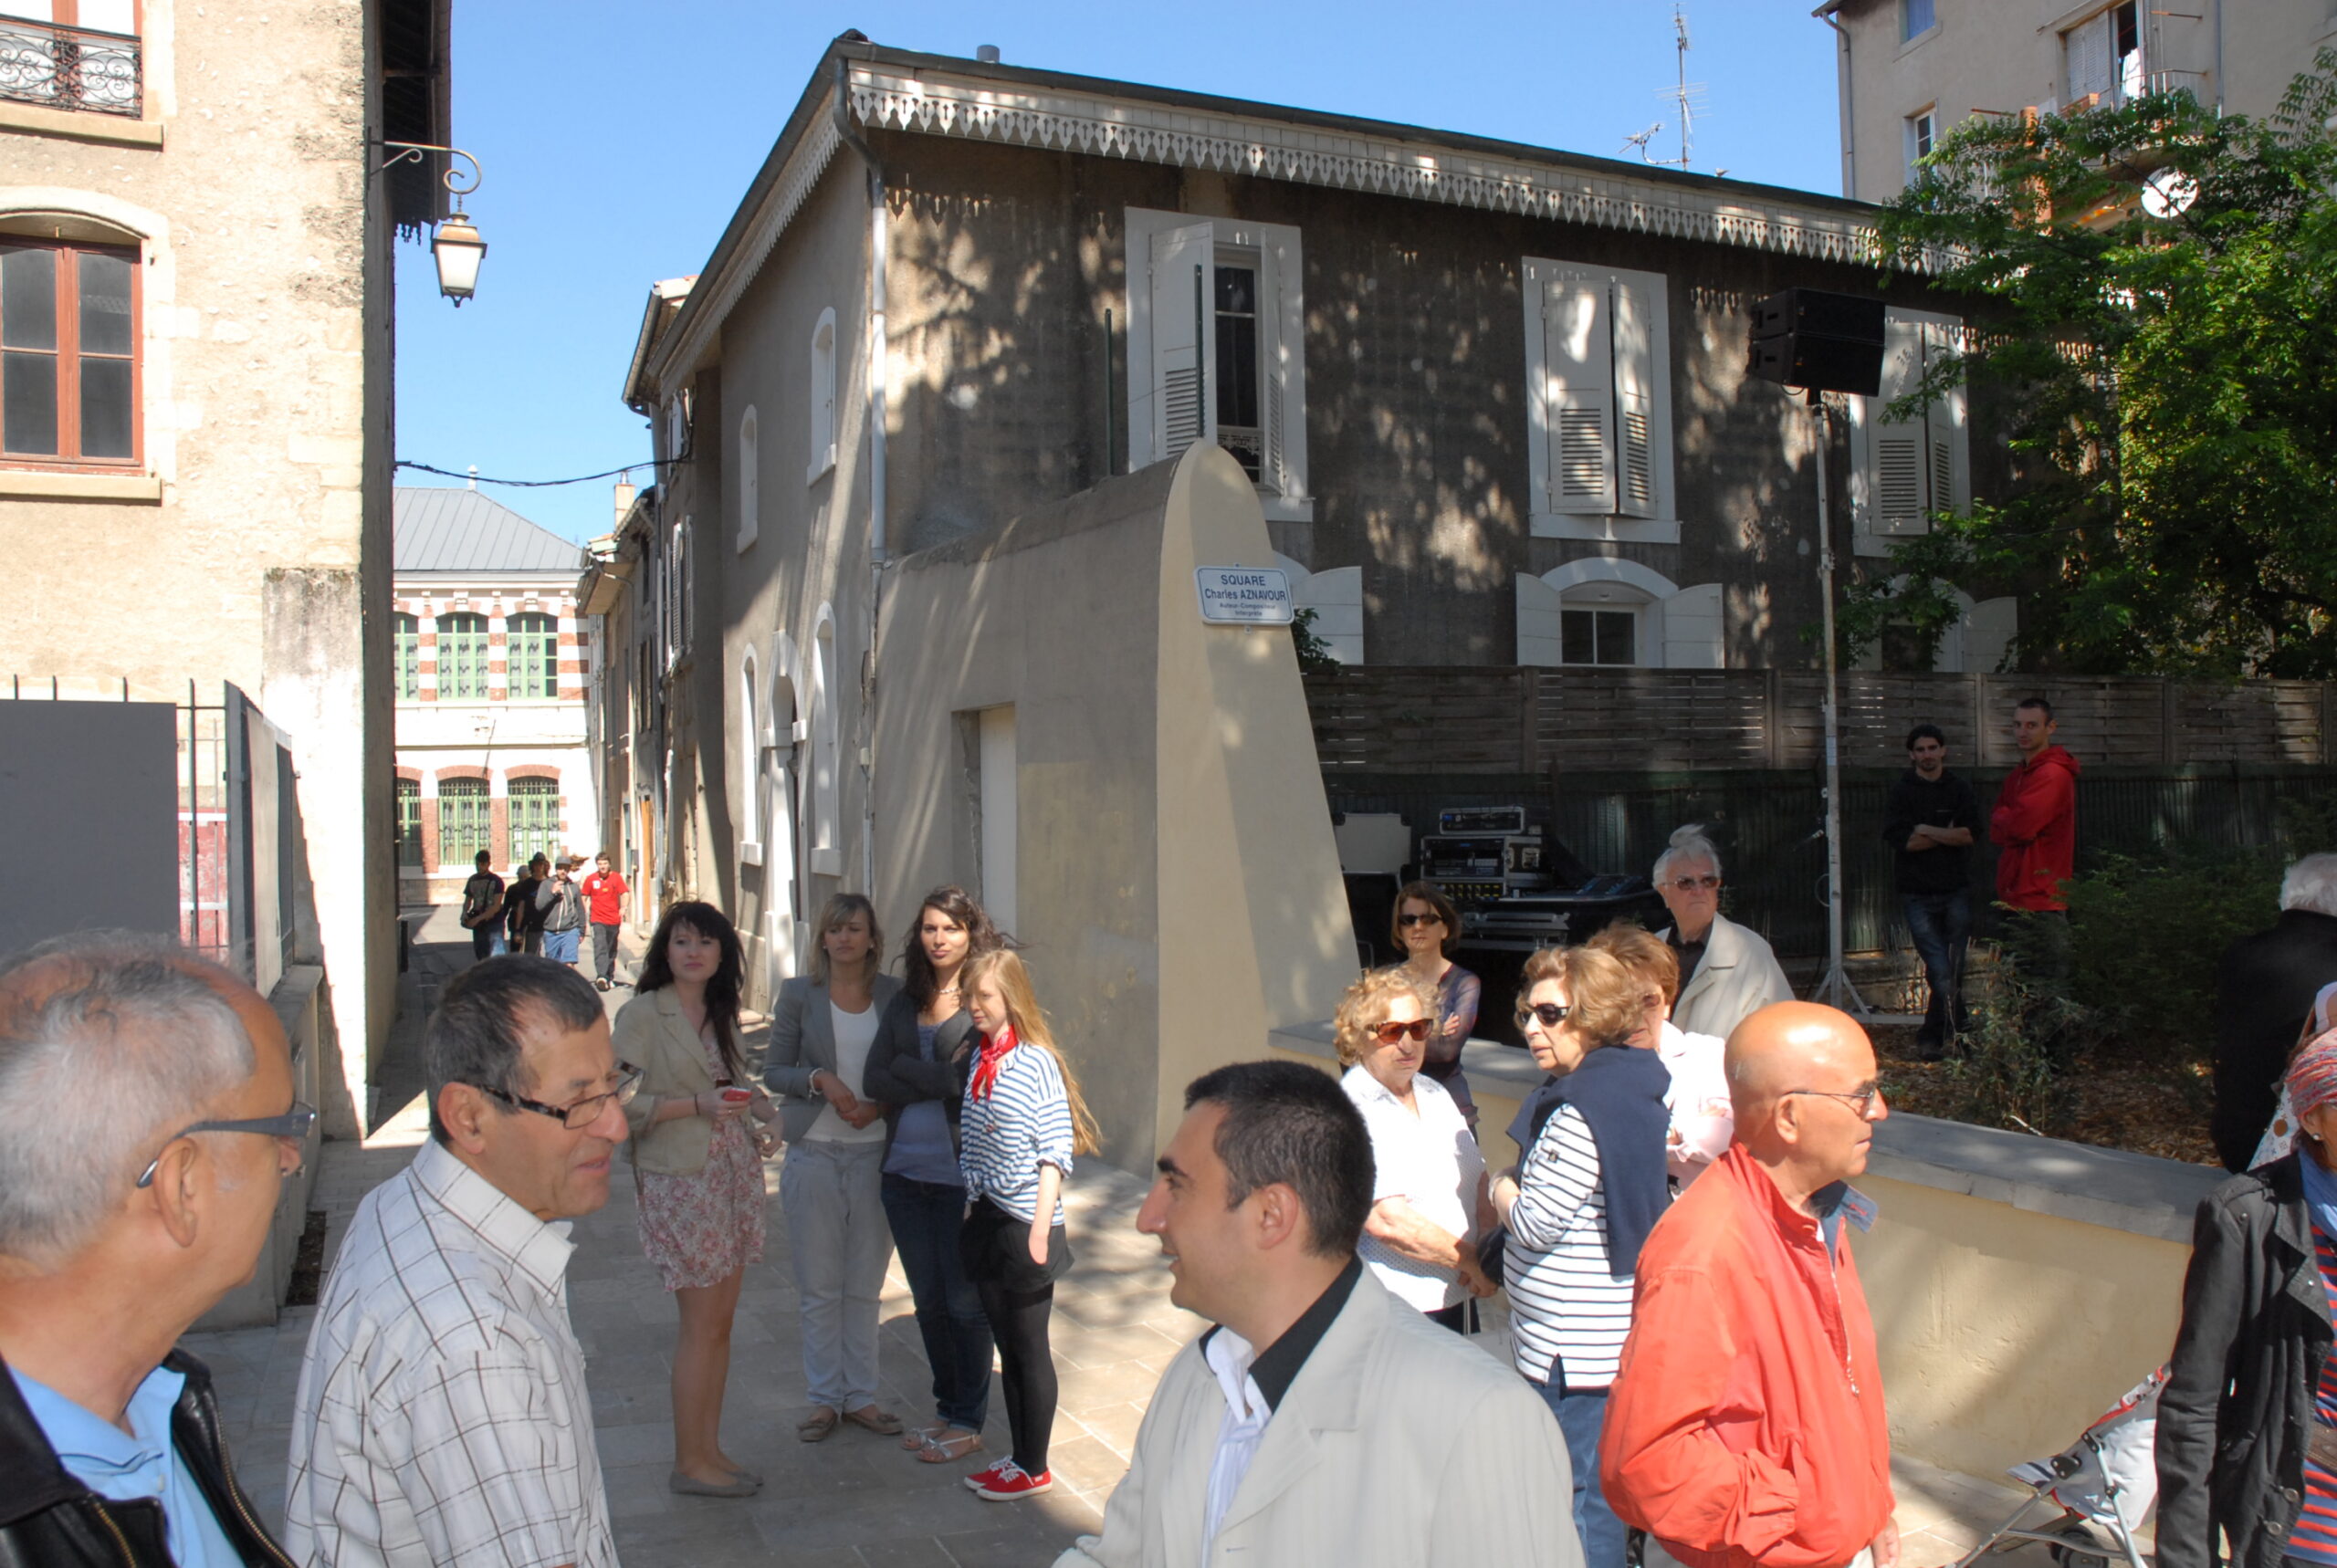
{"x":699,"y":1135}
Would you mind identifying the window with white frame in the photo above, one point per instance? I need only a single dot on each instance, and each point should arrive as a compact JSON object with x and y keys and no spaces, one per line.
{"x":1601,"y":611}
{"x":826,"y":782}
{"x":1216,"y":349}
{"x":750,"y":479}
{"x":1920,"y":133}
{"x":676,"y":605}
{"x":1916,"y":18}
{"x":1598,"y":402}
{"x":1904,"y":469}
{"x":2102,"y":56}
{"x":822,"y":401}
{"x":677,"y":427}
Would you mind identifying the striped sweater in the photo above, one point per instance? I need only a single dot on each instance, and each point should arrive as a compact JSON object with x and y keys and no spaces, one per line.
{"x":1024,"y":1123}
{"x":2314,"y":1539}
{"x":1566,"y":1313}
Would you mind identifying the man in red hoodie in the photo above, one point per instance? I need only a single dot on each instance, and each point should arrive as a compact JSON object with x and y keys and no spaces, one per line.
{"x":2034,"y":829}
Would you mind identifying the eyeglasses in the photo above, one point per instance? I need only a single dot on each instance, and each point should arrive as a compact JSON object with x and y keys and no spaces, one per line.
{"x":1695,"y":883}
{"x":1391,"y":1032}
{"x":1860,"y":1100}
{"x":290,"y":1128}
{"x":1552,"y":1014}
{"x":1428,"y":919}
{"x":585,"y":1112}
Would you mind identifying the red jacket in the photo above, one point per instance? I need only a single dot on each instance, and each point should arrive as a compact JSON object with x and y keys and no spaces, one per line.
{"x":2034,"y":826}
{"x":1746,"y":1424}
{"x":604,"y":895}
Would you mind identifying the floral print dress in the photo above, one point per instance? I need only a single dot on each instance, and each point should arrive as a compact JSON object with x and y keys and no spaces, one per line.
{"x":700,"y":1230}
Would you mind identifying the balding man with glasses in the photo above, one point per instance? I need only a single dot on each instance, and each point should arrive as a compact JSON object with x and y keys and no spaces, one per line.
{"x":442,"y":1415}
{"x":147,"y":1120}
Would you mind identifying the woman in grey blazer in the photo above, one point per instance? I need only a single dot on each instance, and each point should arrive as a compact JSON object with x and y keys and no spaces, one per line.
{"x":830,"y":1186}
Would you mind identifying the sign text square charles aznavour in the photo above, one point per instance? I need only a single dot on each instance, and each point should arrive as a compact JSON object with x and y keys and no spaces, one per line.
{"x":1244,"y":595}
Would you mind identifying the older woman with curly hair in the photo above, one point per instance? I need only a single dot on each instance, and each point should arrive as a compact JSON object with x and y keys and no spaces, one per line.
{"x":1428,"y":1196}
{"x":1703,"y":1111}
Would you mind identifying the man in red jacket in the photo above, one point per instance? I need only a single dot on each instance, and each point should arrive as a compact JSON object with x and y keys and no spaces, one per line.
{"x":2034,"y":829}
{"x":604,"y":893}
{"x":1746,"y":1427}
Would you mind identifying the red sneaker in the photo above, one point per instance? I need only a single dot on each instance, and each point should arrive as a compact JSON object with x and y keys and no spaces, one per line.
{"x":1006,"y":1480}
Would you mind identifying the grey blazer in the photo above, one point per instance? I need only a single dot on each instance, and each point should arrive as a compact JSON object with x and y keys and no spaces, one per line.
{"x":803,"y":1041}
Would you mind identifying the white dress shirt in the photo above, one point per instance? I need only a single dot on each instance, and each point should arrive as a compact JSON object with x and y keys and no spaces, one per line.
{"x":1704,"y":1112}
{"x":1246,"y":1414}
{"x":1430,"y":1162}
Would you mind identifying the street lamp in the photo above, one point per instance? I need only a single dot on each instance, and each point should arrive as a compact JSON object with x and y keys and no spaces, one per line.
{"x":456,"y":248}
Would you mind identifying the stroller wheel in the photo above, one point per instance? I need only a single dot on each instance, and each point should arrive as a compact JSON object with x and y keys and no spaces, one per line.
{"x":2081,"y":1550}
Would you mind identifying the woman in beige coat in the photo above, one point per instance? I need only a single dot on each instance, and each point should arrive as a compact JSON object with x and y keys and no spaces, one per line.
{"x":700,"y":1130}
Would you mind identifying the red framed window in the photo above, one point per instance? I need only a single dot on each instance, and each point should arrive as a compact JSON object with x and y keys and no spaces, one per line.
{"x":69,"y":331}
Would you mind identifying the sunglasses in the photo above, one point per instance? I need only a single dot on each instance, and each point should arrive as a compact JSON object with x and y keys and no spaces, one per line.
{"x":1552,"y":1014}
{"x":1391,"y":1032}
{"x":1420,"y":919}
{"x":1695,"y":883}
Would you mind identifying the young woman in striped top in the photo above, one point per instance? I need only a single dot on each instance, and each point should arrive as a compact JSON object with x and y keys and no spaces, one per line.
{"x":1591,"y":1185}
{"x":1023,"y":1122}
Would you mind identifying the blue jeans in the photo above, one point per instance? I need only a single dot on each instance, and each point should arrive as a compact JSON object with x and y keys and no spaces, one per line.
{"x":924,"y":1217}
{"x":560,"y":947}
{"x":1581,"y":1416}
{"x":1941,"y":924}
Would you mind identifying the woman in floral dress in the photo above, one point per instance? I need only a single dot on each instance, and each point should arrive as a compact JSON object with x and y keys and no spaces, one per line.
{"x":700,"y":1130}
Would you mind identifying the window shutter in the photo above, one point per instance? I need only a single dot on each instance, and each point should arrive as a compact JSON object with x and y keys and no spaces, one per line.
{"x":1537,"y":623}
{"x":1635,"y":375}
{"x":1578,"y":364}
{"x":1949,"y":451}
{"x":1694,"y":629}
{"x":1899,"y":483}
{"x":2087,"y":48}
{"x":1282,"y":349}
{"x":1183,"y":339}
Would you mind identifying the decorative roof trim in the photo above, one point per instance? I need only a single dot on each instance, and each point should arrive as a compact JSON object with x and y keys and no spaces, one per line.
{"x":1120,"y":128}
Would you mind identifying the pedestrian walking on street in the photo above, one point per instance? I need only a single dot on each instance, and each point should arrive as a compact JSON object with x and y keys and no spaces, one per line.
{"x":604,"y":893}
{"x":700,"y":1135}
{"x":2034,"y":829}
{"x":832,"y":1184}
{"x":1746,"y":1424}
{"x":1023,"y":1122}
{"x":524,"y":918}
{"x":1704,"y":1117}
{"x":1727,"y":972}
{"x":482,"y":913}
{"x":1930,"y":823}
{"x":918,"y":1068}
{"x":1427,"y":928}
{"x":1579,"y":1204}
{"x":561,"y":903}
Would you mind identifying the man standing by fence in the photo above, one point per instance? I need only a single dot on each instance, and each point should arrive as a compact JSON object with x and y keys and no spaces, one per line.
{"x":2034,"y":826}
{"x":1928,"y":825}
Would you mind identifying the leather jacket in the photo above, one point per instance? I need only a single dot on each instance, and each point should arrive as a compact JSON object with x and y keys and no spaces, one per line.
{"x":49,"y":1520}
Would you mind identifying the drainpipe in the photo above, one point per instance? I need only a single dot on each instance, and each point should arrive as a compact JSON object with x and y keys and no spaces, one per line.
{"x":879,"y":246}
{"x":1849,"y":119}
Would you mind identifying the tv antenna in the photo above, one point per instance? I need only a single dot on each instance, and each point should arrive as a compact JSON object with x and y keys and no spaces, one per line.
{"x":1642,"y":139}
{"x":1687,"y":97}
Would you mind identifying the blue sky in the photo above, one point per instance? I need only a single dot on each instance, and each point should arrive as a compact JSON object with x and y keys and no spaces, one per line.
{"x":618,"y":137}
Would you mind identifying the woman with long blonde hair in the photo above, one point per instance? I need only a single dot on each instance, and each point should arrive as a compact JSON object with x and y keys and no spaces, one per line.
{"x":1023,"y":1122}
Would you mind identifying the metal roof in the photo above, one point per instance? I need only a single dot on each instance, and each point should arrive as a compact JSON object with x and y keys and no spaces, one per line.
{"x":455,"y":528}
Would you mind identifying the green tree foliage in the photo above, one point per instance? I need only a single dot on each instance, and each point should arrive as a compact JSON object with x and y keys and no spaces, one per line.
{"x":2167,"y":385}
{"x":1314,"y":655}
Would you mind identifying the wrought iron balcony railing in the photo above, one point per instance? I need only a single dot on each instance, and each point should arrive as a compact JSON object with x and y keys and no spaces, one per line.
{"x":56,"y":67}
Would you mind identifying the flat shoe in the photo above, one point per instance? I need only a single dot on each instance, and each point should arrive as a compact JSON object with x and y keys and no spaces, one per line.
{"x":690,"y":1486}
{"x":744,"y":1474}
{"x":817,"y":1425}
{"x":884,"y":1423}
{"x":916,"y":1437}
{"x":950,"y":1450}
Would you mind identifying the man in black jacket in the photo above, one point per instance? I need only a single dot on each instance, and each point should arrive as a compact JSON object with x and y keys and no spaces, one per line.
{"x":1929,"y":823}
{"x":2264,"y":987}
{"x":148,"y":1123}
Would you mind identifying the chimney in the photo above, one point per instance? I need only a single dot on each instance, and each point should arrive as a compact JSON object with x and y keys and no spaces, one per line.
{"x":986,"y":53}
{"x":625,"y":497}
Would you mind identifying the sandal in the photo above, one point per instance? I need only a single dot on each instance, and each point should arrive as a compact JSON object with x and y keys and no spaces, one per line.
{"x":950,"y":1450}
{"x":817,"y":1425}
{"x":916,"y":1437}
{"x":882,"y":1422}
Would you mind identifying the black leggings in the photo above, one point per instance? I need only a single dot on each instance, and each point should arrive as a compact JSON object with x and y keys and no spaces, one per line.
{"x":1018,"y":1321}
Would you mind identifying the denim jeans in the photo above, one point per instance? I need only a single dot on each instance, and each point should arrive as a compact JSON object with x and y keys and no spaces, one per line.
{"x":486,"y":941}
{"x":1581,"y":1413}
{"x":560,"y":947}
{"x":926,"y":1217}
{"x":604,"y":949}
{"x":1941,"y":924}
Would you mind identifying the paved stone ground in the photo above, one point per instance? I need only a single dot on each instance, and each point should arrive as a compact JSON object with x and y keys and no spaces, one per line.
{"x":856,"y":1500}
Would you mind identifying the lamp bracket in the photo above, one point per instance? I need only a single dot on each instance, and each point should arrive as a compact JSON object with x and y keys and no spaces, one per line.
{"x":411,"y":153}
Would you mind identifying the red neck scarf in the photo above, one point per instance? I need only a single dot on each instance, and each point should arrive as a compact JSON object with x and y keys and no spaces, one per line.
{"x":993,"y":1055}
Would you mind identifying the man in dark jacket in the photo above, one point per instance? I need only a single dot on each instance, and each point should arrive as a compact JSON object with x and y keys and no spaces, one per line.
{"x":2264,"y":987}
{"x":1929,"y":823}
{"x":138,"y":1190}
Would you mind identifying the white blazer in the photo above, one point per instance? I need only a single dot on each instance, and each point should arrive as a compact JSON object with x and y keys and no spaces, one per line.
{"x":1738,"y":977}
{"x":1399,"y":1444}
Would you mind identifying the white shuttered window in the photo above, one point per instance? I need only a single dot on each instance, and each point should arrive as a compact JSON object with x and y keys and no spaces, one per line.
{"x":1903,"y":470}
{"x":1598,"y":397}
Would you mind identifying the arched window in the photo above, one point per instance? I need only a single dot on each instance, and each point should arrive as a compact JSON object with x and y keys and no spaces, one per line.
{"x":464,"y":824}
{"x":824,"y":397}
{"x":409,"y":818}
{"x":405,"y":657}
{"x":535,"y":817}
{"x":73,"y":341}
{"x":749,"y":479}
{"x":534,"y":657}
{"x":462,"y":659}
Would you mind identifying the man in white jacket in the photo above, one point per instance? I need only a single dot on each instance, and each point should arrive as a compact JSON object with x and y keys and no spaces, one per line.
{"x":1321,"y":1420}
{"x":1727,"y":972}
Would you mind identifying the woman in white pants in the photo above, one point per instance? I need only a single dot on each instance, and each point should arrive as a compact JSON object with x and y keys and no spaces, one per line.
{"x":831,"y":1185}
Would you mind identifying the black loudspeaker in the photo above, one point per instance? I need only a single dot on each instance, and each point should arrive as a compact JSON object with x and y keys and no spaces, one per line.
{"x":1819,"y":341}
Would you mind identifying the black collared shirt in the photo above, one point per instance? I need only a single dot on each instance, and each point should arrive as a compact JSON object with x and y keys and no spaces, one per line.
{"x":1277,"y":1366}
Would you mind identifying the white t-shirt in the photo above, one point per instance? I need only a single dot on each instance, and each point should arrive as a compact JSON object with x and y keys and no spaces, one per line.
{"x":854,"y":1032}
{"x":1431,"y":1163}
{"x":1703,"y":1113}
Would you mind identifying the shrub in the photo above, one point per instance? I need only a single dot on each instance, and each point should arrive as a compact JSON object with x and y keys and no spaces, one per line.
{"x":2144,"y":941}
{"x":2004,"y":1076}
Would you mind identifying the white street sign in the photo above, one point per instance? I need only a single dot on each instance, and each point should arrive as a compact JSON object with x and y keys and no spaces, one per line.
{"x":1244,"y":595}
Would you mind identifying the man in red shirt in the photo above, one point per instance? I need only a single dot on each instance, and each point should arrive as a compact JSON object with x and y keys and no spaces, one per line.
{"x":2034,"y":829}
{"x":1747,"y":1426}
{"x":604,"y":893}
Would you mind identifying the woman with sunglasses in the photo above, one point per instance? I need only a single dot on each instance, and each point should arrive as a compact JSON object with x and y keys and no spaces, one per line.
{"x":700,"y":1133}
{"x":1427,"y":927}
{"x":1591,"y":1187}
{"x":1727,"y":972}
{"x":1428,"y":1196}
